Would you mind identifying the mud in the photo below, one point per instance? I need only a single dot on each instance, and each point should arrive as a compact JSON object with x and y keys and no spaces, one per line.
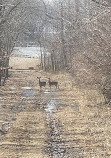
{"x":55,"y":147}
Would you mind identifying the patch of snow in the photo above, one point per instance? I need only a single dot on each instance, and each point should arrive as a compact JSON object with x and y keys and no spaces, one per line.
{"x":26,"y":88}
{"x":12,"y":88}
{"x":27,"y":51}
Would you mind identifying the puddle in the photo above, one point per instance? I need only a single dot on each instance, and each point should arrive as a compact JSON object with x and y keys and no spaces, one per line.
{"x":29,"y":93}
{"x":12,"y":88}
{"x":55,"y":147}
{"x":51,"y":106}
{"x":49,"y":91}
{"x":26,"y":88}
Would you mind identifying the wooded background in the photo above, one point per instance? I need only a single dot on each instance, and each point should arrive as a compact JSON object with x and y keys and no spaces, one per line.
{"x":76,"y":33}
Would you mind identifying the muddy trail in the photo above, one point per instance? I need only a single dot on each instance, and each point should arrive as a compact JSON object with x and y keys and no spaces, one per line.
{"x":52,"y":123}
{"x":56,"y":146}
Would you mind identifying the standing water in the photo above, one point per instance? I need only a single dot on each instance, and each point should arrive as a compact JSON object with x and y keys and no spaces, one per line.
{"x":56,"y":147}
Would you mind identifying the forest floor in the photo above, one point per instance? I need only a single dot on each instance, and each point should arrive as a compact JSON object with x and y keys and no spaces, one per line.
{"x":69,"y":122}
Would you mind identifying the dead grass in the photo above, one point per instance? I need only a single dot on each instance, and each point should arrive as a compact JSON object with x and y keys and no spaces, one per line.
{"x":23,"y":62}
{"x":85,"y":122}
{"x":27,"y":134}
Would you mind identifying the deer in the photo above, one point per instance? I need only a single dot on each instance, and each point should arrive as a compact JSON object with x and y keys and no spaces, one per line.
{"x":53,"y":83}
{"x":41,"y":84}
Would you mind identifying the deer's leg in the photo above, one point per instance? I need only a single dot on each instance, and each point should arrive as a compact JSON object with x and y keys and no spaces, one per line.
{"x":58,"y":86}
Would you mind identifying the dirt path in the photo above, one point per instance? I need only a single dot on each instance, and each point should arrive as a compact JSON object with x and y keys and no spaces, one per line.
{"x":62,"y":123}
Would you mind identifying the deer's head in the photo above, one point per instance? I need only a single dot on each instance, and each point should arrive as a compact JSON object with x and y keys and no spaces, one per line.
{"x":38,"y":77}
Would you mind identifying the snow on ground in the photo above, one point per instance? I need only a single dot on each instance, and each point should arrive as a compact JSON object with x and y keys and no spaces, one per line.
{"x":26,"y":51}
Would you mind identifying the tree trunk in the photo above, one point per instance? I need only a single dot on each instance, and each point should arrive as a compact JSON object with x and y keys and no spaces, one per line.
{"x":44,"y":62}
{"x":62,"y":38}
{"x":41,"y":58}
{"x":52,"y":61}
{"x":0,"y":77}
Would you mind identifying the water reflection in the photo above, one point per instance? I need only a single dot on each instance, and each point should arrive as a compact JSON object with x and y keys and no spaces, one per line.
{"x":51,"y":106}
